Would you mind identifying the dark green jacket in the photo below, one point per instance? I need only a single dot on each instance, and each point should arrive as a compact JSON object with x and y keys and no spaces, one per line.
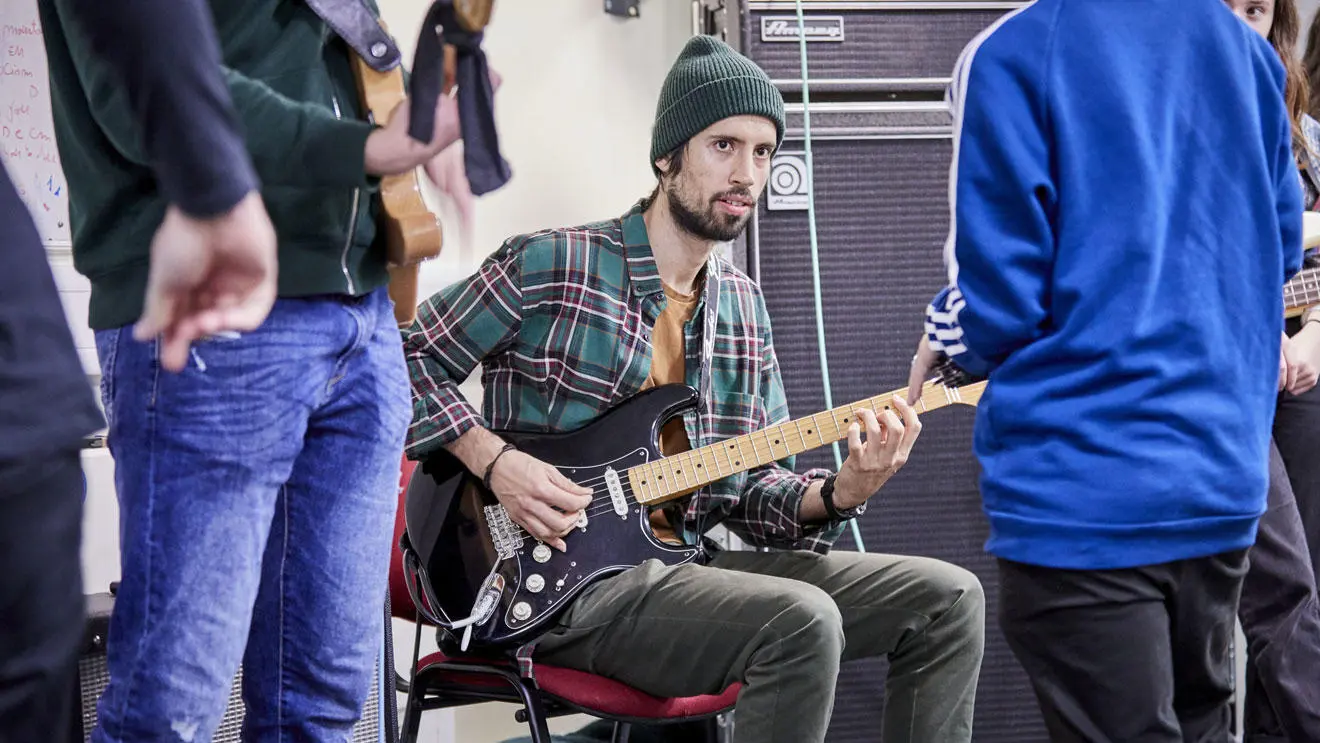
{"x":294,"y":89}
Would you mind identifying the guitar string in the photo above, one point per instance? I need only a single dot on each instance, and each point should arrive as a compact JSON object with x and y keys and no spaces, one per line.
{"x":607,"y":502}
{"x":523,"y":533}
{"x":607,"y":505}
{"x":592,"y":482}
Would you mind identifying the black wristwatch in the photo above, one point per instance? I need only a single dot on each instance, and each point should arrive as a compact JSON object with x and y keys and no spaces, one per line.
{"x":835,"y":514}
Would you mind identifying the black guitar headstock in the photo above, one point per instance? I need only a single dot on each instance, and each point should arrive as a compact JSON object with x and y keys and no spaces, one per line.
{"x":951,"y":375}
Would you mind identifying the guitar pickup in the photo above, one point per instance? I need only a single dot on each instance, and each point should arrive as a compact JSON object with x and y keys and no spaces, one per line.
{"x":615,"y":488}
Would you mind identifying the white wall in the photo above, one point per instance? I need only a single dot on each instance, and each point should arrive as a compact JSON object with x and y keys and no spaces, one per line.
{"x":574,"y":118}
{"x":574,"y":113}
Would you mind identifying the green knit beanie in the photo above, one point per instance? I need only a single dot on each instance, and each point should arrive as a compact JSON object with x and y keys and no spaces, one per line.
{"x":709,"y":82}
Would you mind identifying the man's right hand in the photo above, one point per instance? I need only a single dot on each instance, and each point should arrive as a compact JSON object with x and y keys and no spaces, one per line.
{"x":531,"y":490}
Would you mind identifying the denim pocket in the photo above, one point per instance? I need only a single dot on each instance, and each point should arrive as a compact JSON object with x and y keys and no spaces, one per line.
{"x":107,"y":350}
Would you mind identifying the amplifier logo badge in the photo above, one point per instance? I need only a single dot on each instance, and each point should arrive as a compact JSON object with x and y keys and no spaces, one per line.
{"x":815,"y":27}
{"x":788,"y":182}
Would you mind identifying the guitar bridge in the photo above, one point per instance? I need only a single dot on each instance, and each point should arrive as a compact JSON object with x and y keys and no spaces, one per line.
{"x":505,"y":536}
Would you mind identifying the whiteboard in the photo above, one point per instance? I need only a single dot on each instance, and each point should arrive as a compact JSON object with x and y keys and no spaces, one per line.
{"x":27,"y":134}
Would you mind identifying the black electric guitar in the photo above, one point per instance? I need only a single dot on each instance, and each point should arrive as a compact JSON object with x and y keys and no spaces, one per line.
{"x":1303,"y":290}
{"x":474,"y":572}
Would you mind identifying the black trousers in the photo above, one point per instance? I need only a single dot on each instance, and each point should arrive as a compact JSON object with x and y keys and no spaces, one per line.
{"x":1280,"y":613}
{"x":41,"y":596}
{"x":1140,"y":655}
{"x":1297,"y":434}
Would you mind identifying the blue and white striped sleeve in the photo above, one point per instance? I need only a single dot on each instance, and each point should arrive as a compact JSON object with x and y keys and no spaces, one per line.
{"x":946,"y":335}
{"x":1000,"y":247}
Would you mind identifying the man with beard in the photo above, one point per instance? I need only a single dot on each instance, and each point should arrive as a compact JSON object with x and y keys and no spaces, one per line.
{"x":568,"y":323}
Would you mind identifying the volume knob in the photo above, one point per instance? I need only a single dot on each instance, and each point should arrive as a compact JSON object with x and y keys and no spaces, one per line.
{"x":541,"y":553}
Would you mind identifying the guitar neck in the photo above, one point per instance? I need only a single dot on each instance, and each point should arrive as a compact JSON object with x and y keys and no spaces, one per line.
{"x":1302,"y":291}
{"x":673,"y":477}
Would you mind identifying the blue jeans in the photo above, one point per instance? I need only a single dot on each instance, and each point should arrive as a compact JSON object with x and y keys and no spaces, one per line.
{"x":256,"y":492}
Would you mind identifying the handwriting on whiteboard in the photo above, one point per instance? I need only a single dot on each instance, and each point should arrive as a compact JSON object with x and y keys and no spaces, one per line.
{"x":27,"y":135}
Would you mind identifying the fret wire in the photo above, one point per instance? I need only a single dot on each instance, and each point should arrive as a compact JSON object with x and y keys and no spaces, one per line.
{"x":650,"y":487}
{"x":819,"y":429}
{"x":659,"y":478}
{"x":678,"y":470}
{"x":645,"y":482}
{"x":719,"y":469}
{"x":820,"y":434}
{"x":702,"y":469}
{"x":781,"y":432}
{"x":731,"y":444}
{"x":768,"y":445}
{"x":797,"y":424}
{"x":635,"y":479}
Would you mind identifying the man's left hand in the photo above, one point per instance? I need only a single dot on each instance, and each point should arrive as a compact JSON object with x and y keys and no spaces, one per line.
{"x":922,"y":363}
{"x":870,"y":464}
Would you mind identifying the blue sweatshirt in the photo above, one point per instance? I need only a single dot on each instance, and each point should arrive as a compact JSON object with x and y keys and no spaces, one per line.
{"x":1126,"y":209}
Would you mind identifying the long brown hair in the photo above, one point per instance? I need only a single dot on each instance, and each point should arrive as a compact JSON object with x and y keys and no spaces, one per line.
{"x":1311,"y":58}
{"x":1283,"y":37}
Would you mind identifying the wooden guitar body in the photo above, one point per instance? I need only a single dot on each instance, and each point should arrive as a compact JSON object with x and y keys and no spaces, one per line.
{"x":412,"y":232}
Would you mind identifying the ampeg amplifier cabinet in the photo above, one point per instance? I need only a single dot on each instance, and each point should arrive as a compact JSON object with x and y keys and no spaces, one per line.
{"x":379,"y":716}
{"x":881,"y":175}
{"x":861,"y":46}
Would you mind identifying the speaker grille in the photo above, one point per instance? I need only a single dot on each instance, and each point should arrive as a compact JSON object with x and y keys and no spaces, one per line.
{"x":882,"y":217}
{"x":893,"y":44}
{"x":93,"y":678}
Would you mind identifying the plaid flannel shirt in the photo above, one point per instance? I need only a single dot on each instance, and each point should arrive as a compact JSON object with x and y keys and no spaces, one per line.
{"x":560,"y":322}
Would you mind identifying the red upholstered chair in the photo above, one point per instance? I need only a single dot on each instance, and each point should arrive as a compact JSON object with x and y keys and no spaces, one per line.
{"x":439,"y":681}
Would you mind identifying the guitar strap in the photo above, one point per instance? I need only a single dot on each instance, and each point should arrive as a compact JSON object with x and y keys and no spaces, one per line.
{"x":705,"y":430}
{"x":359,"y":28}
{"x":352,"y":21}
{"x":486,"y":169}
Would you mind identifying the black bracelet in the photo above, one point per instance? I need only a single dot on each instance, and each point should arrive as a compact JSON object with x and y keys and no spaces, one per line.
{"x":485,"y":480}
{"x":827,"y":498}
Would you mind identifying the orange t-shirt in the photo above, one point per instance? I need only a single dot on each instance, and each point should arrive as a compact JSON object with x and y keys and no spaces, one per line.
{"x":668,"y":356}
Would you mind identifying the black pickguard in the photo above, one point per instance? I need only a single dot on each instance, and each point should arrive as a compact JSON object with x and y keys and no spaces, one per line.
{"x":447,"y":525}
